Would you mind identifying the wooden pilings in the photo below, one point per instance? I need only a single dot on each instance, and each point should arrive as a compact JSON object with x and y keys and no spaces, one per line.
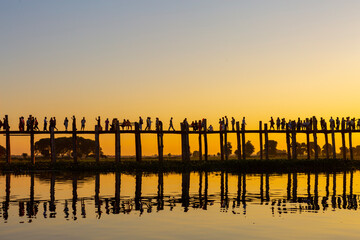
{"x":225,"y":144}
{"x":243,"y":140}
{"x":185,"y":142}
{"x":160,"y":141}
{"x":200,"y":145}
{"x":238,"y":140}
{"x":288,"y":145}
{"x":333,"y":142}
{"x":261,"y":140}
{"x":326,"y":144}
{"x":350,"y":145}
{"x":315,"y":140}
{"x":266,"y":141}
{"x":343,"y":140}
{"x":205,"y":141}
{"x":221,"y":144}
{"x":293,"y":143}
{"x":138,"y":143}
{"x":32,"y":143}
{"x":7,"y":129}
{"x":52,"y":146}
{"x":97,"y":143}
{"x":117,"y":142}
{"x":74,"y":139}
{"x":308,"y":150}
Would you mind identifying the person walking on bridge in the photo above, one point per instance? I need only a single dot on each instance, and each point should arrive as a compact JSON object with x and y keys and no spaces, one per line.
{"x":45,"y":124}
{"x":272,"y":124}
{"x":141,"y":122}
{"x":107,"y":124}
{"x":83,"y":121}
{"x":233,"y":123}
{"x":148,"y":124}
{"x":66,"y":123}
{"x":171,"y":126}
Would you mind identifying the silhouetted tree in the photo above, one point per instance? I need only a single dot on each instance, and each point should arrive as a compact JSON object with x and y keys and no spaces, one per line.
{"x":228,"y":148}
{"x":63,"y":147}
{"x":272,"y":147}
{"x":195,"y":154}
{"x":312,"y":148}
{"x":357,"y":151}
{"x":330,"y":149}
{"x":24,"y":155}
{"x":249,"y":148}
{"x":342,"y":150}
{"x":301,"y":148}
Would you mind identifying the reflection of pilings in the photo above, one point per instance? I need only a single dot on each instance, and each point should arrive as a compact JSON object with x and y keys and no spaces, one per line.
{"x":138,"y":183}
{"x":160,"y":192}
{"x":117,"y":192}
{"x":261,"y":188}
{"x":221,"y":188}
{"x":327,"y":184}
{"x":200,"y":190}
{"x":7,"y":197}
{"x":267,"y":187}
{"x":243,"y":196}
{"x":333,"y":198}
{"x":308,"y":186}
{"x":75,"y":196}
{"x":206,"y":191}
{"x":185,"y":190}
{"x":294,"y":198}
{"x":52,"y":205}
{"x":316,"y":192}
{"x":238,"y":197}
{"x":344,"y":190}
{"x":351,"y":183}
{"x":97,"y":194}
{"x":30,"y":207}
{"x":289,"y":186}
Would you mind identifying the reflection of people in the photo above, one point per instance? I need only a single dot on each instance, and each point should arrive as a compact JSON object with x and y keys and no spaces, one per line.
{"x":171,"y":126}
{"x":211,"y":128}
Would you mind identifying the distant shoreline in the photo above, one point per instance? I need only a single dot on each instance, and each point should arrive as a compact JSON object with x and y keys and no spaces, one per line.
{"x":153,"y":166}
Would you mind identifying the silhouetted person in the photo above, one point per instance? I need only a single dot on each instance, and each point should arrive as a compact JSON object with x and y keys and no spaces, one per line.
{"x":98,"y":120}
{"x":74,"y":123}
{"x":171,"y":126}
{"x":337,"y":123}
{"x":278,"y":123}
{"x":45,"y":124}
{"x":332,"y":123}
{"x":243,"y":123}
{"x":148,"y":124}
{"x":83,"y":121}
{"x":36,"y":125}
{"x":226,"y":123}
{"x":107,"y":124}
{"x":66,"y":123}
{"x":272,"y":124}
{"x":141,"y":122}
{"x":233,"y":123}
{"x":55,"y":124}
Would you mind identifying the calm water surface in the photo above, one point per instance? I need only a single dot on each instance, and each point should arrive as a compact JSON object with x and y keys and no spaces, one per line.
{"x":194,"y":205}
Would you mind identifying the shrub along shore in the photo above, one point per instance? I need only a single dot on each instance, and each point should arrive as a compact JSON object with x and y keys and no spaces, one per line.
{"x":231,"y":166}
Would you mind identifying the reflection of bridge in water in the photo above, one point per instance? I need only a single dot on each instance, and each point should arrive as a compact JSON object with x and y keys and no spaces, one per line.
{"x":236,"y":203}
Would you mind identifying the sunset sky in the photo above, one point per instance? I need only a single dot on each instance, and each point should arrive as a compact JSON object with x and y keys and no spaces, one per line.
{"x":194,"y":59}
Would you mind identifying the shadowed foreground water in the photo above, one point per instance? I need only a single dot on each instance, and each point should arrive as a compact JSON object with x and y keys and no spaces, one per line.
{"x":175,"y":206}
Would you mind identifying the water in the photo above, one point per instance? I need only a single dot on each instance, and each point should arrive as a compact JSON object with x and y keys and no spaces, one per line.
{"x":179,"y":206}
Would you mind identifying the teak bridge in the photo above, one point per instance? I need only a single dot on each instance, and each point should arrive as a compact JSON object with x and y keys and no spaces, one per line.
{"x":240,"y":137}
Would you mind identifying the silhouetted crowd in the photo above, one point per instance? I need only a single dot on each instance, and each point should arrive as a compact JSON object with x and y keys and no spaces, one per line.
{"x":308,"y":124}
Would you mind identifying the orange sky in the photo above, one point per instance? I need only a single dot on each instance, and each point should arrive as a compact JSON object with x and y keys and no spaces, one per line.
{"x":195,"y":60}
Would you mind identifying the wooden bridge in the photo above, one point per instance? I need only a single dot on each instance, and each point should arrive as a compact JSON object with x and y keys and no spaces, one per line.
{"x":290,"y":135}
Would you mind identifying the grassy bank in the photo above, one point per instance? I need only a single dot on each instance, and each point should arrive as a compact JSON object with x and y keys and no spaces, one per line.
{"x":151,"y":165}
